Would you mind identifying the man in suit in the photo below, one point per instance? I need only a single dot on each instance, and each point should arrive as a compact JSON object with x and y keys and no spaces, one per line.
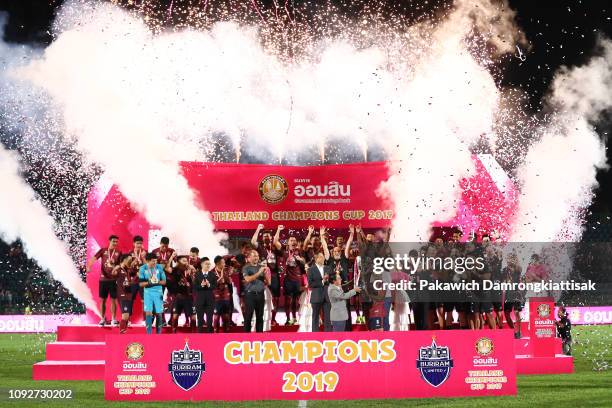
{"x":204,"y":285}
{"x":318,"y":282}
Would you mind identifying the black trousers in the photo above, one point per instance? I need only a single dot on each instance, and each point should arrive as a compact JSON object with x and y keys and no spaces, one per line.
{"x":419,"y":309}
{"x":349,"y":321}
{"x":316,"y":312}
{"x":205,"y":305}
{"x":254,"y":303}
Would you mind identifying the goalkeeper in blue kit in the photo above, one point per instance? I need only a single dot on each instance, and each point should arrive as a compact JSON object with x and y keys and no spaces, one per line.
{"x":152,"y":278}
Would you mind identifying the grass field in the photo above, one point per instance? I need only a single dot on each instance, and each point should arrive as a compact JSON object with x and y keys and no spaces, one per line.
{"x":590,"y":385}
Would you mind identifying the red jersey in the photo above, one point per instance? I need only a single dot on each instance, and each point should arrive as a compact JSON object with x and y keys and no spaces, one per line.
{"x":271,"y":255}
{"x":138,"y":258}
{"x":222,"y":291}
{"x":110,"y":258}
{"x":194,"y":261}
{"x":124,"y":281}
{"x":183,"y":282}
{"x":378,"y":309}
{"x":293,"y":268}
{"x":163,"y":256}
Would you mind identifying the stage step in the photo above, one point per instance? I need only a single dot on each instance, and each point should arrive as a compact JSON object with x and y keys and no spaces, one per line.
{"x":523,"y":346}
{"x":95,"y":333}
{"x":76,"y":351}
{"x":559,"y":364}
{"x":68,"y":370}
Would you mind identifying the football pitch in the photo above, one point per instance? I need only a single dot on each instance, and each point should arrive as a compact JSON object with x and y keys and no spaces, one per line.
{"x":590,"y":385}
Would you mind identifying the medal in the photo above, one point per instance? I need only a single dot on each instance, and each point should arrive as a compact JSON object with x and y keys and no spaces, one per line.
{"x":153,"y":276}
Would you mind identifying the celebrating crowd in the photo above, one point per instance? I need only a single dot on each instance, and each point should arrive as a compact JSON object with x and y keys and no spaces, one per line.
{"x":317,"y":281}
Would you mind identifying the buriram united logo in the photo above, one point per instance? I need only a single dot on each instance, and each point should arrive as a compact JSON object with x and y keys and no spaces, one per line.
{"x":544,"y":310}
{"x":434,"y":363}
{"x":273,"y":189}
{"x":186,"y":367}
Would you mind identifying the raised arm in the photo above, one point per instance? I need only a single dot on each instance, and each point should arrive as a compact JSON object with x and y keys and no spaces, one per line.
{"x":276,"y":241}
{"x":308,"y":236}
{"x":324,"y":243}
{"x":349,"y":241}
{"x":338,"y":295}
{"x":256,"y":235}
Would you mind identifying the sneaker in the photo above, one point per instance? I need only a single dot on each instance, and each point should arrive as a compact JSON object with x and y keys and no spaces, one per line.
{"x":517,"y":335}
{"x":114,"y":323}
{"x":288,"y":322}
{"x":102,"y":323}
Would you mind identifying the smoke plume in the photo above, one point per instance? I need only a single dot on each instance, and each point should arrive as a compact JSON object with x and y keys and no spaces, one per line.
{"x":558,"y":175}
{"x":23,"y":217}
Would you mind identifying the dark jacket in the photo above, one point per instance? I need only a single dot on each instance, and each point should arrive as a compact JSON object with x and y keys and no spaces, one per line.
{"x":204,"y":292}
{"x":318,"y":289}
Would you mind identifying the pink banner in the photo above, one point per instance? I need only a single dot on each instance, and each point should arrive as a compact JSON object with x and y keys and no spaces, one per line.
{"x":589,"y":314}
{"x":37,"y":323}
{"x":286,"y":366}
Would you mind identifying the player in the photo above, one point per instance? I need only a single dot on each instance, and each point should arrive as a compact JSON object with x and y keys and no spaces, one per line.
{"x":222,"y":294}
{"x":194,"y":257}
{"x":109,"y":257}
{"x":294,"y":264}
{"x":513,"y":298}
{"x":165,"y":255}
{"x":152,"y":279}
{"x":338,"y":261}
{"x":270,"y":250}
{"x":123,"y":276}
{"x":183,"y":275}
{"x":138,"y":255}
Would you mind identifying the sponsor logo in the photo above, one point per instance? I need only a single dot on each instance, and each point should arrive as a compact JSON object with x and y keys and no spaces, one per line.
{"x":574,"y":315}
{"x":134,"y":351}
{"x":597,"y":317}
{"x":139,"y":366}
{"x":484,"y":346}
{"x":186,"y":367}
{"x":543,"y":310}
{"x":434,"y":363}
{"x":331,"y":189}
{"x":273,"y":189}
{"x":22,"y":325}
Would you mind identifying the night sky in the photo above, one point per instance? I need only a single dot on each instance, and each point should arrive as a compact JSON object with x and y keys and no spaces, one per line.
{"x":559,"y":32}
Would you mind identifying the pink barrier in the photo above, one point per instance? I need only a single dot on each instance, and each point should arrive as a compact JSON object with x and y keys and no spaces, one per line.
{"x":589,"y":314}
{"x":284,"y":366}
{"x":37,"y":323}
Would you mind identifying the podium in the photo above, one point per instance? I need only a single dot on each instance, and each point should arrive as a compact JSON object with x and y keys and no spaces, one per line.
{"x":542,"y":327}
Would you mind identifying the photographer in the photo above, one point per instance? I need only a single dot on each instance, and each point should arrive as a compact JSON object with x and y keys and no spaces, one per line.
{"x":564,"y":330}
